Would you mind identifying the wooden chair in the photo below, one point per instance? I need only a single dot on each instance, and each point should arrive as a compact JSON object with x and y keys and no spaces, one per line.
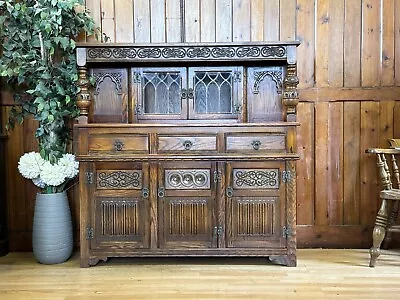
{"x":385,"y":222}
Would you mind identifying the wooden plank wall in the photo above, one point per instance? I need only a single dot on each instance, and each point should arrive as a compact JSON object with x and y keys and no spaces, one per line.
{"x":349,"y":70}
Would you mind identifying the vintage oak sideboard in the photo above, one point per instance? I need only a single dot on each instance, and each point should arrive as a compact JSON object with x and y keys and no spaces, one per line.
{"x":187,"y":150}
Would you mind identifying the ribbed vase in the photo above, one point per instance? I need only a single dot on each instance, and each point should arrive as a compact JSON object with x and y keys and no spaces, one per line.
{"x":52,"y":238}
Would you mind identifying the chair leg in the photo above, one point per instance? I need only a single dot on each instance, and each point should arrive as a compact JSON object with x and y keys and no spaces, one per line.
{"x":378,"y":233}
{"x":394,"y":212}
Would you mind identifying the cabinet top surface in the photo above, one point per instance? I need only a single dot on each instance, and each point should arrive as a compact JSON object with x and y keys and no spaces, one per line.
{"x":171,"y":45}
{"x":181,"y":125}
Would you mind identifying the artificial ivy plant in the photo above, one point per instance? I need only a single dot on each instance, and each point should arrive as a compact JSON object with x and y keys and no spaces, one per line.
{"x":38,"y":63}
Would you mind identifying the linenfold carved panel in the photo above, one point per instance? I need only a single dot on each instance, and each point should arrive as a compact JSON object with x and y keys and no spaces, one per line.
{"x":256,"y":178}
{"x":119,"y":179}
{"x":188,"y":216}
{"x":256,"y":216}
{"x":120,"y":217}
{"x":187,"y":179}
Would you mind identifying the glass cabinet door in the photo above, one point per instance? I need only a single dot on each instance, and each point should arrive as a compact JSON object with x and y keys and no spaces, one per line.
{"x":159,"y":92}
{"x":208,"y":93}
{"x":215,"y":92}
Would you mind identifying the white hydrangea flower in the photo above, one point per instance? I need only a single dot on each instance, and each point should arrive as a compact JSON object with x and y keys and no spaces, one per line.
{"x":44,"y":174}
{"x":69,"y":165}
{"x":52,"y":174}
{"x":29,"y":165}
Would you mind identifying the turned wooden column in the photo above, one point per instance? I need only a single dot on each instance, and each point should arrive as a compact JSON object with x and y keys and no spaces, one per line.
{"x":83,"y":99}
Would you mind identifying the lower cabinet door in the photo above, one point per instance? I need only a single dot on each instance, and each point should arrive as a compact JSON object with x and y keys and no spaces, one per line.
{"x":120,"y":209}
{"x":186,"y":202}
{"x":255,"y":205}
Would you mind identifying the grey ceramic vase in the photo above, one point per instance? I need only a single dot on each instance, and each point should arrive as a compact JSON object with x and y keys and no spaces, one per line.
{"x":52,"y":238}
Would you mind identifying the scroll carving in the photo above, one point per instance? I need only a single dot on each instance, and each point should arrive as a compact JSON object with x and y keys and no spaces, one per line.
{"x":256,"y":178}
{"x":187,"y":53}
{"x":121,"y":179}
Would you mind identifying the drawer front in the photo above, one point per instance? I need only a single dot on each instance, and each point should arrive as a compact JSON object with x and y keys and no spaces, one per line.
{"x":119,"y":143}
{"x":187,"y":143}
{"x":256,"y":143}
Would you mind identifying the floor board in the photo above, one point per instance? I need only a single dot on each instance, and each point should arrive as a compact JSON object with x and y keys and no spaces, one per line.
{"x":320,"y":274}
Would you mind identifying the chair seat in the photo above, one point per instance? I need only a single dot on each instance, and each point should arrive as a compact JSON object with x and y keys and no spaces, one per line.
{"x":393,"y":194}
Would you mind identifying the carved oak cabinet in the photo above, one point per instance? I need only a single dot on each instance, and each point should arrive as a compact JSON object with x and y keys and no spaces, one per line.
{"x":187,"y":150}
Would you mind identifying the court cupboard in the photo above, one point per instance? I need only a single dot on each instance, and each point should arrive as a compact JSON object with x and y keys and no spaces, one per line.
{"x":187,"y":150}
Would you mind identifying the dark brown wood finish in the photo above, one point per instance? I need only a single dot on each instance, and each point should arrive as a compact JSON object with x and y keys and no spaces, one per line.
{"x":3,"y":202}
{"x":3,"y":195}
{"x":187,"y":176}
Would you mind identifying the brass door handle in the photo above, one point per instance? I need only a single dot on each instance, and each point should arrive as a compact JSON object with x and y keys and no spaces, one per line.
{"x":256,"y":144}
{"x":187,"y":144}
{"x":118,"y":145}
{"x":161,"y":192}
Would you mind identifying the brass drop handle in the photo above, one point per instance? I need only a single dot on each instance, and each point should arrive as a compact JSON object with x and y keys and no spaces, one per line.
{"x":187,"y":144}
{"x":229,"y":192}
{"x":256,"y":144}
{"x":161,"y":192}
{"x":118,"y":145}
{"x":145,"y":193}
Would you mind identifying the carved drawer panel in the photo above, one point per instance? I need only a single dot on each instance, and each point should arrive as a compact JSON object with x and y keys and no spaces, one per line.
{"x":187,"y":179}
{"x":120,"y":143}
{"x":256,"y":178}
{"x":256,"y":142}
{"x":187,"y":143}
{"x":119,"y":179}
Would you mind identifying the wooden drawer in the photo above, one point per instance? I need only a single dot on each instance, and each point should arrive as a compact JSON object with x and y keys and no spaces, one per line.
{"x":255,"y":142}
{"x":119,"y":143}
{"x":187,"y":143}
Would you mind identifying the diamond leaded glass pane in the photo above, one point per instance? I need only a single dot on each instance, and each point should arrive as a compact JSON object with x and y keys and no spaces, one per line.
{"x":213,"y":92}
{"x":161,"y":92}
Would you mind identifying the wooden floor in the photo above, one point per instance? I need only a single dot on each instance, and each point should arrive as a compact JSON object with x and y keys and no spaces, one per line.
{"x":320,"y":274}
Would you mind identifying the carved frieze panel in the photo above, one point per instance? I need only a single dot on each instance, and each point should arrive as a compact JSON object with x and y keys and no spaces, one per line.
{"x":187,"y":179}
{"x":256,"y":178}
{"x":184,"y":52}
{"x":119,"y":179}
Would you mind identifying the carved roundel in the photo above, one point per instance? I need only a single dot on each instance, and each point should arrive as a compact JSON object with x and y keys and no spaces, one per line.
{"x":187,"y":179}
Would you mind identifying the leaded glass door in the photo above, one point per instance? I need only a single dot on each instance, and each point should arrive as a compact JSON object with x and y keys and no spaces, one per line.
{"x":159,"y":93}
{"x":216,"y":92}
